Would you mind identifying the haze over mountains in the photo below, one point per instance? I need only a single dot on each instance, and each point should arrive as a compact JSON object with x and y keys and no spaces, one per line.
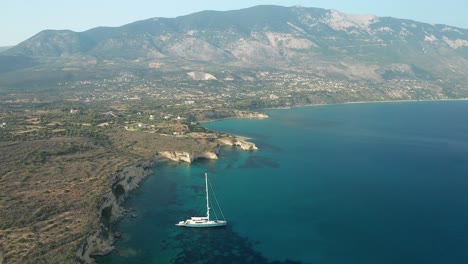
{"x":319,"y":42}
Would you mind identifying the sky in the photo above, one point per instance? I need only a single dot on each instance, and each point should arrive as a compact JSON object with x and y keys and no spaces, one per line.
{"x":21,"y":19}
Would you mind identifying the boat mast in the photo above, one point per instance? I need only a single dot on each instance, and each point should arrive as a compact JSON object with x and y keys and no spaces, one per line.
{"x":207,"y":202}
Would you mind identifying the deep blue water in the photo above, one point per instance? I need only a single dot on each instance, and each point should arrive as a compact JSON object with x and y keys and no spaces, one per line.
{"x":357,"y":183}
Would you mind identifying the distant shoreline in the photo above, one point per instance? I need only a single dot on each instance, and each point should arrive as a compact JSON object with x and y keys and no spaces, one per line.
{"x":405,"y":101}
{"x":359,"y":102}
{"x":345,"y":103}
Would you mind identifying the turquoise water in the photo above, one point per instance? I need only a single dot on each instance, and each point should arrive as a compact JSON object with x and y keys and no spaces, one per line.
{"x":358,"y":183}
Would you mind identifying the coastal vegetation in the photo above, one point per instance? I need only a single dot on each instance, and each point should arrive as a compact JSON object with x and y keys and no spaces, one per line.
{"x":58,"y":159}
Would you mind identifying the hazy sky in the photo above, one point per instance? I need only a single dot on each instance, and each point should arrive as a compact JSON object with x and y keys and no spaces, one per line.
{"x":21,"y":19}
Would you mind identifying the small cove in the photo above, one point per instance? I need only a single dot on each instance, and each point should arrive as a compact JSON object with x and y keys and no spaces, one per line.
{"x":360,"y":183}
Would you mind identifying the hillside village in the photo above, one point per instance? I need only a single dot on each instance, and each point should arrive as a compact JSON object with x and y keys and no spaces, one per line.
{"x":274,"y":89}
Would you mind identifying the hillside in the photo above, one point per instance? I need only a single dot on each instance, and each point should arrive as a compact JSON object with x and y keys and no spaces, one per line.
{"x":4,"y":48}
{"x":311,"y":41}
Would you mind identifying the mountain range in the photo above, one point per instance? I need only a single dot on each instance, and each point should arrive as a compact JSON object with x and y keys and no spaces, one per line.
{"x":319,"y":42}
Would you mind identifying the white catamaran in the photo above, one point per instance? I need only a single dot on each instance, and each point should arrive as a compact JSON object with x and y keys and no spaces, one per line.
{"x":204,"y":221}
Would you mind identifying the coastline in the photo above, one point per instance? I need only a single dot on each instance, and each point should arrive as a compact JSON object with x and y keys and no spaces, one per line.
{"x":239,"y":114}
{"x":101,"y":242}
{"x":325,"y":104}
{"x":126,"y":180}
{"x":366,"y":102}
{"x":110,"y":210}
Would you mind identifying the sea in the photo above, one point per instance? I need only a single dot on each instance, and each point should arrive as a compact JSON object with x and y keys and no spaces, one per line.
{"x":352,"y":183}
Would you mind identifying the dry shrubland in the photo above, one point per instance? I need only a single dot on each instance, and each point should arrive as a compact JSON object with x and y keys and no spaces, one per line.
{"x":50,"y":188}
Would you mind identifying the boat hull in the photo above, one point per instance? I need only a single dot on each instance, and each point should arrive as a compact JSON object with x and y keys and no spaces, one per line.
{"x":190,"y":223}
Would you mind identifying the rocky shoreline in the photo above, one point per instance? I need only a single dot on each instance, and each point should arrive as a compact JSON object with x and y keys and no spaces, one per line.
{"x":190,"y":157}
{"x":110,"y":211}
{"x":101,"y":242}
{"x":207,"y":116}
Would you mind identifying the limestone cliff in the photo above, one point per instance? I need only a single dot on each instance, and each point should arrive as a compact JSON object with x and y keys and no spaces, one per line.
{"x":250,"y":115}
{"x":186,"y":156}
{"x":189,"y":157}
{"x":109,"y":211}
{"x":220,"y":114}
{"x":177,"y":155}
{"x":240,"y":142}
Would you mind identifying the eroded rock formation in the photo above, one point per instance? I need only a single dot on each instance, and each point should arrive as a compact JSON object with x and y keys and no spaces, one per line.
{"x":109,"y":210}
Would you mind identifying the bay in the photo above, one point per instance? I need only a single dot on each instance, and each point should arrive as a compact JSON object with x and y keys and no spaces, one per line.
{"x":355,"y":183}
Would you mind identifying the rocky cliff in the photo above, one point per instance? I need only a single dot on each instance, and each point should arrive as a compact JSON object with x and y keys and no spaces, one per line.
{"x":109,"y":211}
{"x":250,"y":115}
{"x":240,"y":142}
{"x":187,"y":156}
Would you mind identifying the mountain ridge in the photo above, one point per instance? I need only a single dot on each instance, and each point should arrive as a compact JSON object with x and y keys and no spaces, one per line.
{"x":276,"y":17}
{"x":305,"y":39}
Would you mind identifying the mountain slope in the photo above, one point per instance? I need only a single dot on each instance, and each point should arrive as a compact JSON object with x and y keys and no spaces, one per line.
{"x":4,"y":48}
{"x":324,"y":42}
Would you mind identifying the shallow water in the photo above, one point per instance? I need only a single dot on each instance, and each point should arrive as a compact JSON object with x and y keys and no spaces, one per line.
{"x":360,"y":183}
